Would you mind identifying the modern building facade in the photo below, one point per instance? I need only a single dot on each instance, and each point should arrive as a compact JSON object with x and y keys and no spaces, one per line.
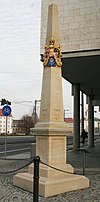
{"x":79,"y":25}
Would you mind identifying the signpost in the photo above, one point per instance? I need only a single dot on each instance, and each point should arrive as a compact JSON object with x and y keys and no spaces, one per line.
{"x":6,"y":111}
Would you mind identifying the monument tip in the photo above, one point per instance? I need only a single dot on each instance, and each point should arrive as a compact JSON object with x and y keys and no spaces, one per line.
{"x":53,"y":24}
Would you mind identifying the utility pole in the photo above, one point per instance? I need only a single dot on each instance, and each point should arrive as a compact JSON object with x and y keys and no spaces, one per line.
{"x":35,"y":109}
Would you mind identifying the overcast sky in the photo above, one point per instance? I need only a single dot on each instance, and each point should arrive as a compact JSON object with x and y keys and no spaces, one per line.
{"x":20,"y":66}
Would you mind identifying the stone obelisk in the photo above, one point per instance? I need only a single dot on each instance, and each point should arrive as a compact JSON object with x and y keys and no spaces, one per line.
{"x":51,"y":130}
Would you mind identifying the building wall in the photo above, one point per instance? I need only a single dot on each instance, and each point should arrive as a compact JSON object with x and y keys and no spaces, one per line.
{"x":79,"y":24}
{"x":17,"y":127}
{"x":3,"y":123}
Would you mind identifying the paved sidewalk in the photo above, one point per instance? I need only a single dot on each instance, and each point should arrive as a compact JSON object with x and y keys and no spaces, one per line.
{"x":9,"y":193}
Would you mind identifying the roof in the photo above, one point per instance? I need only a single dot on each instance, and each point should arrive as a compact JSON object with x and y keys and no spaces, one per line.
{"x":69,"y":120}
{"x":83,"y":68}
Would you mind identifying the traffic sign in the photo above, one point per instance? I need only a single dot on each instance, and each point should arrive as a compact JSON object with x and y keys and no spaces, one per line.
{"x":6,"y":110}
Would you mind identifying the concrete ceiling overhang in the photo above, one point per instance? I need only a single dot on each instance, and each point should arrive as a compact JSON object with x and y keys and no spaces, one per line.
{"x":83,"y":67}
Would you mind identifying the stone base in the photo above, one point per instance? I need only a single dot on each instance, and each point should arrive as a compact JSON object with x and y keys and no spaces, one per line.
{"x":46,"y":171}
{"x":51,"y":182}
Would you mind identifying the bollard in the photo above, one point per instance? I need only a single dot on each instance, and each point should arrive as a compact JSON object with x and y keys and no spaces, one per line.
{"x":84,"y":161}
{"x":36,"y":161}
{"x":84,"y":158}
{"x":33,"y":150}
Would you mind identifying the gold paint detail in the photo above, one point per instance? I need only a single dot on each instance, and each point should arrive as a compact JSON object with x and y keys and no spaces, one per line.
{"x":52,"y":51}
{"x":56,"y":114}
{"x":44,"y":114}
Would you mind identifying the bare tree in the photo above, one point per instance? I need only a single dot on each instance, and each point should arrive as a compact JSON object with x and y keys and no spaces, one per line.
{"x":26,"y":123}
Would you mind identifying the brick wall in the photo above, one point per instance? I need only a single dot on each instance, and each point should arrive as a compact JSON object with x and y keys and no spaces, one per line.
{"x":79,"y":24}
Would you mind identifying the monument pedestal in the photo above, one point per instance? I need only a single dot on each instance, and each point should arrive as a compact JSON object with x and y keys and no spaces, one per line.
{"x":56,"y":176}
{"x":55,"y":182}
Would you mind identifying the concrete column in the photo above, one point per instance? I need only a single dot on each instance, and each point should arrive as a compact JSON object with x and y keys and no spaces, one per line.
{"x":76,"y":138}
{"x":90,"y":122}
{"x":82,"y":111}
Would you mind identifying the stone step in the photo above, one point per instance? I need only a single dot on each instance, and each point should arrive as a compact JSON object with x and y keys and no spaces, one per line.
{"x":52,"y":185}
{"x":56,"y":170}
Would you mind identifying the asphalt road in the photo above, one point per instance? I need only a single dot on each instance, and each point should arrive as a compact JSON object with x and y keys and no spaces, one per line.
{"x":17,"y":139}
{"x":19,"y":144}
{"x":15,"y":144}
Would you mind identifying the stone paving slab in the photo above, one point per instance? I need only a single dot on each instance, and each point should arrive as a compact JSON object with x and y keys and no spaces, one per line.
{"x":10,"y":193}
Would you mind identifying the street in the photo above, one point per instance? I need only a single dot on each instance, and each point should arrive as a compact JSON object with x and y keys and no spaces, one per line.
{"x":15,"y":144}
{"x":20,"y":144}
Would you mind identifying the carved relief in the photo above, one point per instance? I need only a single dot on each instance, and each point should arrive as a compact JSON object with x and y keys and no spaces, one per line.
{"x":44,"y":114}
{"x":56,"y":115}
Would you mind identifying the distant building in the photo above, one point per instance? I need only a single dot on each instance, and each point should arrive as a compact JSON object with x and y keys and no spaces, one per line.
{"x":96,"y":123}
{"x":3,"y":123}
{"x":70,"y":123}
{"x":17,"y":126}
